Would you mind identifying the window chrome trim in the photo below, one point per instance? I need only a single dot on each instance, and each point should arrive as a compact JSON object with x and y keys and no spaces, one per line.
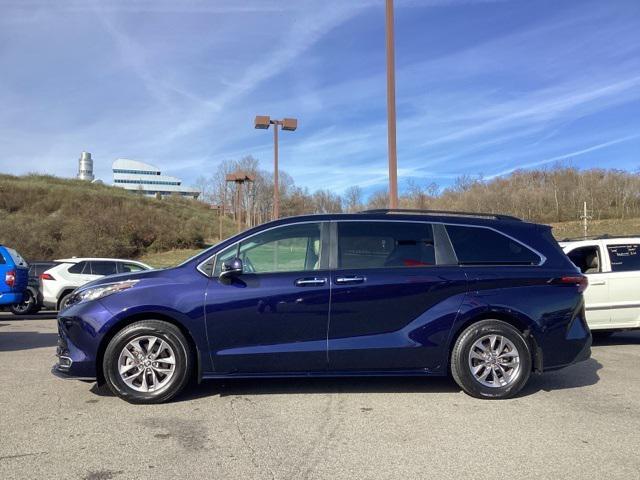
{"x":542,"y":257}
{"x":334,"y":240}
{"x":201,"y":264}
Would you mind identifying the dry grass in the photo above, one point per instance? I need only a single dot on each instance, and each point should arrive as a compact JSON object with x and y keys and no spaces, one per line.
{"x":170,"y":258}
{"x":630,"y":226}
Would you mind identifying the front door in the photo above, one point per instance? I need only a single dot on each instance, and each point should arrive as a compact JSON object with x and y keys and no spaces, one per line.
{"x":392,"y":307}
{"x":590,"y":260}
{"x":272,"y":318}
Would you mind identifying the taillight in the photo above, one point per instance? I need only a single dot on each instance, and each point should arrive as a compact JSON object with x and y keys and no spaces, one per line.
{"x":46,"y":276}
{"x":580,"y":280}
{"x":10,"y":278}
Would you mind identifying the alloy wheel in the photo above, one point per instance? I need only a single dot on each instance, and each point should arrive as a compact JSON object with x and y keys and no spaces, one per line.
{"x":147,"y":364}
{"x":494,"y":361}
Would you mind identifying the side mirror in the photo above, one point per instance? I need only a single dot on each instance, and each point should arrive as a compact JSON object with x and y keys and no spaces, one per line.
{"x":231,"y":269}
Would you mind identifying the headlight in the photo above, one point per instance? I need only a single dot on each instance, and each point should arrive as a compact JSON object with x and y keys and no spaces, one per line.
{"x":99,"y":291}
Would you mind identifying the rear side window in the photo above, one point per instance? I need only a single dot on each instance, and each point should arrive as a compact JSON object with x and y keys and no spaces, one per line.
{"x":385,"y":245}
{"x":482,"y":246}
{"x":80,"y":267}
{"x":103,"y":268}
{"x":2,"y":260}
{"x":624,"y":258}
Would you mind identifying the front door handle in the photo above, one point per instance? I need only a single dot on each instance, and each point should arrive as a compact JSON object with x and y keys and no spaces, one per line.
{"x":599,"y":282}
{"x":349,"y":279}
{"x":310,"y":282}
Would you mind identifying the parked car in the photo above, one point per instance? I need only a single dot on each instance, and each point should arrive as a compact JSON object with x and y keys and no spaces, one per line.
{"x":488,"y":298}
{"x":613,"y":267}
{"x":32,"y":299}
{"x":14,"y":273}
{"x":57,"y":283}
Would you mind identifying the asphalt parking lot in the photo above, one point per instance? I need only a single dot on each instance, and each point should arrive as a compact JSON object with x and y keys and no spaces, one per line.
{"x":581,"y":422}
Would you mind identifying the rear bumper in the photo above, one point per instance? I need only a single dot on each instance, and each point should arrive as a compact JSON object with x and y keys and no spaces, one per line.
{"x":10,"y":298}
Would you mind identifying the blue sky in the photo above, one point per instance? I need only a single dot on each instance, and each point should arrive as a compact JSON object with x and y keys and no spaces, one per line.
{"x":483,"y":87}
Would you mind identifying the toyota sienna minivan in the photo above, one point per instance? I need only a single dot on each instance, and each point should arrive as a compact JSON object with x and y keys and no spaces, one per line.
{"x":486,"y":298}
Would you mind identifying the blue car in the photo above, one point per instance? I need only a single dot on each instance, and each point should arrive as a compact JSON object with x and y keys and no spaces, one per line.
{"x":14,"y":276}
{"x":488,"y":299}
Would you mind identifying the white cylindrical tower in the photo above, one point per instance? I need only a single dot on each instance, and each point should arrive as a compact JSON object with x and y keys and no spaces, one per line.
{"x":85,"y":167}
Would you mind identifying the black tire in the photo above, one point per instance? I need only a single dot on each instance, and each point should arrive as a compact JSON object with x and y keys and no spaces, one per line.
{"x":164,"y":331}
{"x":63,"y":301}
{"x":28,"y":306}
{"x":461,"y":369}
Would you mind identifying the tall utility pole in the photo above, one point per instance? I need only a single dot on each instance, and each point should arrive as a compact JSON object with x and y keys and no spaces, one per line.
{"x":391,"y":109}
{"x":585,"y":217}
{"x":263,"y":122}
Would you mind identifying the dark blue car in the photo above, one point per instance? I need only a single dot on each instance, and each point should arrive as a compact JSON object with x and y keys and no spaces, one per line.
{"x":487,"y":298}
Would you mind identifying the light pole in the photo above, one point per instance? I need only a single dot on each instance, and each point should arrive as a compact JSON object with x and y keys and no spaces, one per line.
{"x":262,"y":122}
{"x":391,"y":109}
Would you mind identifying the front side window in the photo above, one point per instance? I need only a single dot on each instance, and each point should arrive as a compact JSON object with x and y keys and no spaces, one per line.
{"x":482,"y":246}
{"x":292,"y":248}
{"x":624,"y":258}
{"x":130,"y":267}
{"x":587,"y":259}
{"x":385,"y":245}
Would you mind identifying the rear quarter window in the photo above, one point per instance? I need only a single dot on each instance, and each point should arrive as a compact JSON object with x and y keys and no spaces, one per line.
{"x":624,"y":258}
{"x":17,"y":258}
{"x":483,"y":246}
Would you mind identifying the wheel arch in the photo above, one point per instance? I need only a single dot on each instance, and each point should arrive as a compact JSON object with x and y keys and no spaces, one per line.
{"x":125,"y":322}
{"x":61,"y":295}
{"x":515,"y":321}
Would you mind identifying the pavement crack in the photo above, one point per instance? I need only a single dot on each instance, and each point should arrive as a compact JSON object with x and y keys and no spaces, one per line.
{"x":245,"y":441}
{"x":20,"y":455}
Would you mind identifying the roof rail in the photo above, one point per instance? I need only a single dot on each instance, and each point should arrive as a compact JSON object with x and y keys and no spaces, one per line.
{"x":605,"y":236}
{"x":409,"y":211}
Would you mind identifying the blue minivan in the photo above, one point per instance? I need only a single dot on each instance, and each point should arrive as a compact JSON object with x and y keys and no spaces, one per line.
{"x":14,"y":276}
{"x":487,"y":299}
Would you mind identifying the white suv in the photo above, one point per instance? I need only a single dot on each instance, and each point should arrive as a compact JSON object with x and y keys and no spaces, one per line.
{"x":57,"y":283}
{"x":612,"y":265}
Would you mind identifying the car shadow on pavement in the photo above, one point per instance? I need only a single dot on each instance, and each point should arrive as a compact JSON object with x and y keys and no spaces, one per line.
{"x":581,"y":374}
{"x":631,"y":337}
{"x":13,"y":341}
{"x":279,"y":386}
{"x":46,"y":315}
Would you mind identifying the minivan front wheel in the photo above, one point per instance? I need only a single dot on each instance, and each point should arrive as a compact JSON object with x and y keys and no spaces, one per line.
{"x":491,"y":359}
{"x":147,"y":362}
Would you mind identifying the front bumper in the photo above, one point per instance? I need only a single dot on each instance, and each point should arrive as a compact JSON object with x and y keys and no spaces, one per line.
{"x":80,"y":331}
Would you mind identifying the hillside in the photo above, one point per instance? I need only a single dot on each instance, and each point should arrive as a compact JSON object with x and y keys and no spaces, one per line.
{"x":46,"y":217}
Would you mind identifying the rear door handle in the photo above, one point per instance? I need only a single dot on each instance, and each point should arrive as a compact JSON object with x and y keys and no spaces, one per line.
{"x":599,"y":282}
{"x":310,"y":282}
{"x":349,"y":279}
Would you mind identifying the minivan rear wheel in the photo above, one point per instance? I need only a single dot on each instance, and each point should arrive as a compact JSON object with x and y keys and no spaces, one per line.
{"x":491,"y":359}
{"x":147,"y":362}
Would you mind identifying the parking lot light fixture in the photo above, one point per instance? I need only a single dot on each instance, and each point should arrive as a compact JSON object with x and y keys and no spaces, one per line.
{"x":262,"y":122}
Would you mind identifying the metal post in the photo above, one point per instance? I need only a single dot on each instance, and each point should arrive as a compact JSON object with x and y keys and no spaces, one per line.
{"x":239,"y":205}
{"x":391,"y":109}
{"x":276,"y":184}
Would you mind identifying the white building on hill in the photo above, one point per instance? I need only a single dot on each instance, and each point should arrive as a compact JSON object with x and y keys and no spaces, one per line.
{"x":148,"y":180}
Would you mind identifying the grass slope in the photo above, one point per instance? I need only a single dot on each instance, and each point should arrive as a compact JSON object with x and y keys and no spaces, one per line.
{"x":45,"y":217}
